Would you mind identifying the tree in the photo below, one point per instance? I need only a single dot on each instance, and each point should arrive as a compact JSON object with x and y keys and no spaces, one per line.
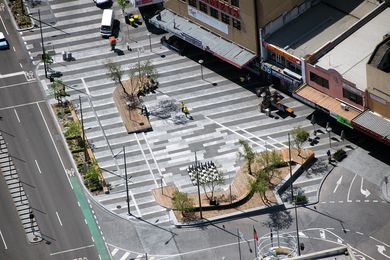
{"x":123,"y":4}
{"x":248,"y":154}
{"x":57,"y":88}
{"x":148,"y":73}
{"x":211,"y":183}
{"x":260,"y":185}
{"x":299,"y":136}
{"x":279,"y":220}
{"x":115,"y":73}
{"x":182,"y":203}
{"x":47,"y":58}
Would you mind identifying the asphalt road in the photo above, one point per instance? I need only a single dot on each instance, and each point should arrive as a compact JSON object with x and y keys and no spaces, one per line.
{"x":40,"y":159}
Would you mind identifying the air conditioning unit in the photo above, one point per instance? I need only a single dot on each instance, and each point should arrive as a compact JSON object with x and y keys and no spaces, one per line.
{"x":344,"y":106}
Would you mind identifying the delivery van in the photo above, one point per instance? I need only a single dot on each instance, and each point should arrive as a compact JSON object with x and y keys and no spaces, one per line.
{"x":107,"y":22}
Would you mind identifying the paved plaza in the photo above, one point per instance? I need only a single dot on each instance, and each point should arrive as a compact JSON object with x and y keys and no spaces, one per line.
{"x":223,"y":112}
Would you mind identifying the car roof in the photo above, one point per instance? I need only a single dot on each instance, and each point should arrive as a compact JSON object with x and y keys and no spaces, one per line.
{"x":2,"y":35}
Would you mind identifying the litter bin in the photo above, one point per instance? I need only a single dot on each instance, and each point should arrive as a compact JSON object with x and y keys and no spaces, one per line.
{"x":69,"y":56}
{"x":64,"y":54}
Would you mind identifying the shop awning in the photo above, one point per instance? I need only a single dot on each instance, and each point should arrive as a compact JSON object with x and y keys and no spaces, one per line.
{"x":374,"y":123}
{"x":202,"y":38}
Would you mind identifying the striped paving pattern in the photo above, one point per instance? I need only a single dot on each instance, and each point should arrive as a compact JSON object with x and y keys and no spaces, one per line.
{"x":19,"y":197}
{"x":223,"y":112}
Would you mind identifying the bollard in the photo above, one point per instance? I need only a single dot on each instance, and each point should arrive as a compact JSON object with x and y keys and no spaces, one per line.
{"x":64,"y":54}
{"x":69,"y":56}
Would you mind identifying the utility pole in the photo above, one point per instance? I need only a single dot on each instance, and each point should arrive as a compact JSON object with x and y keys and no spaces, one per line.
{"x":43,"y":46}
{"x":292,"y":196}
{"x":238,"y":243}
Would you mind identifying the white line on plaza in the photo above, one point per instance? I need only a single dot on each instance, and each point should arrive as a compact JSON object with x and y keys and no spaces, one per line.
{"x":17,"y":116}
{"x":146,"y":159}
{"x":151,"y":152}
{"x":5,"y":28}
{"x":58,"y":216}
{"x":55,"y":147}
{"x":258,"y":138}
{"x":2,"y":238}
{"x":273,"y":139}
{"x":13,"y":47}
{"x":71,"y":250}
{"x":349,"y":189}
{"x":39,"y":169}
{"x":235,"y":132}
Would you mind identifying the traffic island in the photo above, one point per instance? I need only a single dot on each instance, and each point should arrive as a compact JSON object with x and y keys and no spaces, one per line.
{"x":239,"y":198}
{"x":134,"y":116}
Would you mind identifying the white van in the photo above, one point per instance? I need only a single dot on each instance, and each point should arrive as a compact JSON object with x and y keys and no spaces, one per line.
{"x":107,"y":22}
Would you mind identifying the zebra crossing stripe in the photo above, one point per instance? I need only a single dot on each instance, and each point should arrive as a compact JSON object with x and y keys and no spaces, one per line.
{"x":113,"y":253}
{"x":125,"y":256}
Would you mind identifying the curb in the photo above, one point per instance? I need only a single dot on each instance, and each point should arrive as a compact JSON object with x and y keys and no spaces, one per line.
{"x":18,"y":29}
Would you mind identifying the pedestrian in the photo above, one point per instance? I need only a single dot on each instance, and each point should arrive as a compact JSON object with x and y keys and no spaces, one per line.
{"x":182,"y":106}
{"x":186,"y":112}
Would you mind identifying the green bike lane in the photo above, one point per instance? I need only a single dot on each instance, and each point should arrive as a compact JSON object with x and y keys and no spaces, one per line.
{"x":98,"y":240}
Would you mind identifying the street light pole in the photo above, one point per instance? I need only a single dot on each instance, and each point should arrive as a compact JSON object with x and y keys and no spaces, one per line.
{"x":127,"y":185}
{"x":197,"y":182}
{"x":292,"y":195}
{"x":43,"y":46}
{"x":201,"y":68}
{"x":150,"y":42}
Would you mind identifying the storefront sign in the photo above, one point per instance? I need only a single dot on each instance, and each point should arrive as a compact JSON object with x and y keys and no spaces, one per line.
{"x":343,"y":121}
{"x":193,"y":12}
{"x":282,"y":53}
{"x":223,"y":7}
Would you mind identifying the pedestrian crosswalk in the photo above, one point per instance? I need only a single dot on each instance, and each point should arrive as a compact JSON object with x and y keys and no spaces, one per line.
{"x":223,"y":112}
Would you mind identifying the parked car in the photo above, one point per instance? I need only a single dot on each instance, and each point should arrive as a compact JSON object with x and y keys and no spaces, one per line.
{"x":103,"y":3}
{"x":3,"y":42}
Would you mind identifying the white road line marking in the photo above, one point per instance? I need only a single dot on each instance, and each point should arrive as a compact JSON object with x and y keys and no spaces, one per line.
{"x":85,"y":221}
{"x":125,"y":256}
{"x":71,"y":250}
{"x":5,"y":28}
{"x":52,"y":140}
{"x":78,"y":203}
{"x":365,"y":192}
{"x":338,"y":183}
{"x":22,"y":105}
{"x":39,"y":169}
{"x":12,"y":85}
{"x":366,"y":200}
{"x":21,"y":66}
{"x":2,"y":238}
{"x":114,"y":251}
{"x":349,"y":189}
{"x":357,"y":200}
{"x":340,"y":201}
{"x":58,"y":216}
{"x":323,"y":202}
{"x":360,"y":233}
{"x":93,"y":239}
{"x":17,"y":116}
{"x":331,"y":201}
{"x":13,"y":47}
{"x":375,"y":201}
{"x":379,"y":241}
{"x":322,"y":234}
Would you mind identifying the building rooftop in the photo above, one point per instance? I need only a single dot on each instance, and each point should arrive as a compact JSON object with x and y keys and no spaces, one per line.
{"x":381,"y":56}
{"x":319,"y":25}
{"x":349,"y":57}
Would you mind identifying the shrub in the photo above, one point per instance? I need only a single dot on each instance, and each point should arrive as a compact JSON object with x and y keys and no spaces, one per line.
{"x":73,"y":130}
{"x":339,"y":155}
{"x":91,"y":179}
{"x":300,"y":199}
{"x":182,"y":203}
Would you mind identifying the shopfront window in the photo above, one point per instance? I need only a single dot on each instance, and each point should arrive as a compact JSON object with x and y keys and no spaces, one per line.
{"x":203,"y":7}
{"x":357,"y":99}
{"x":225,"y":18}
{"x":236,"y":24}
{"x":319,"y":80}
{"x":236,"y":3}
{"x":192,"y":2}
{"x":214,"y":13}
